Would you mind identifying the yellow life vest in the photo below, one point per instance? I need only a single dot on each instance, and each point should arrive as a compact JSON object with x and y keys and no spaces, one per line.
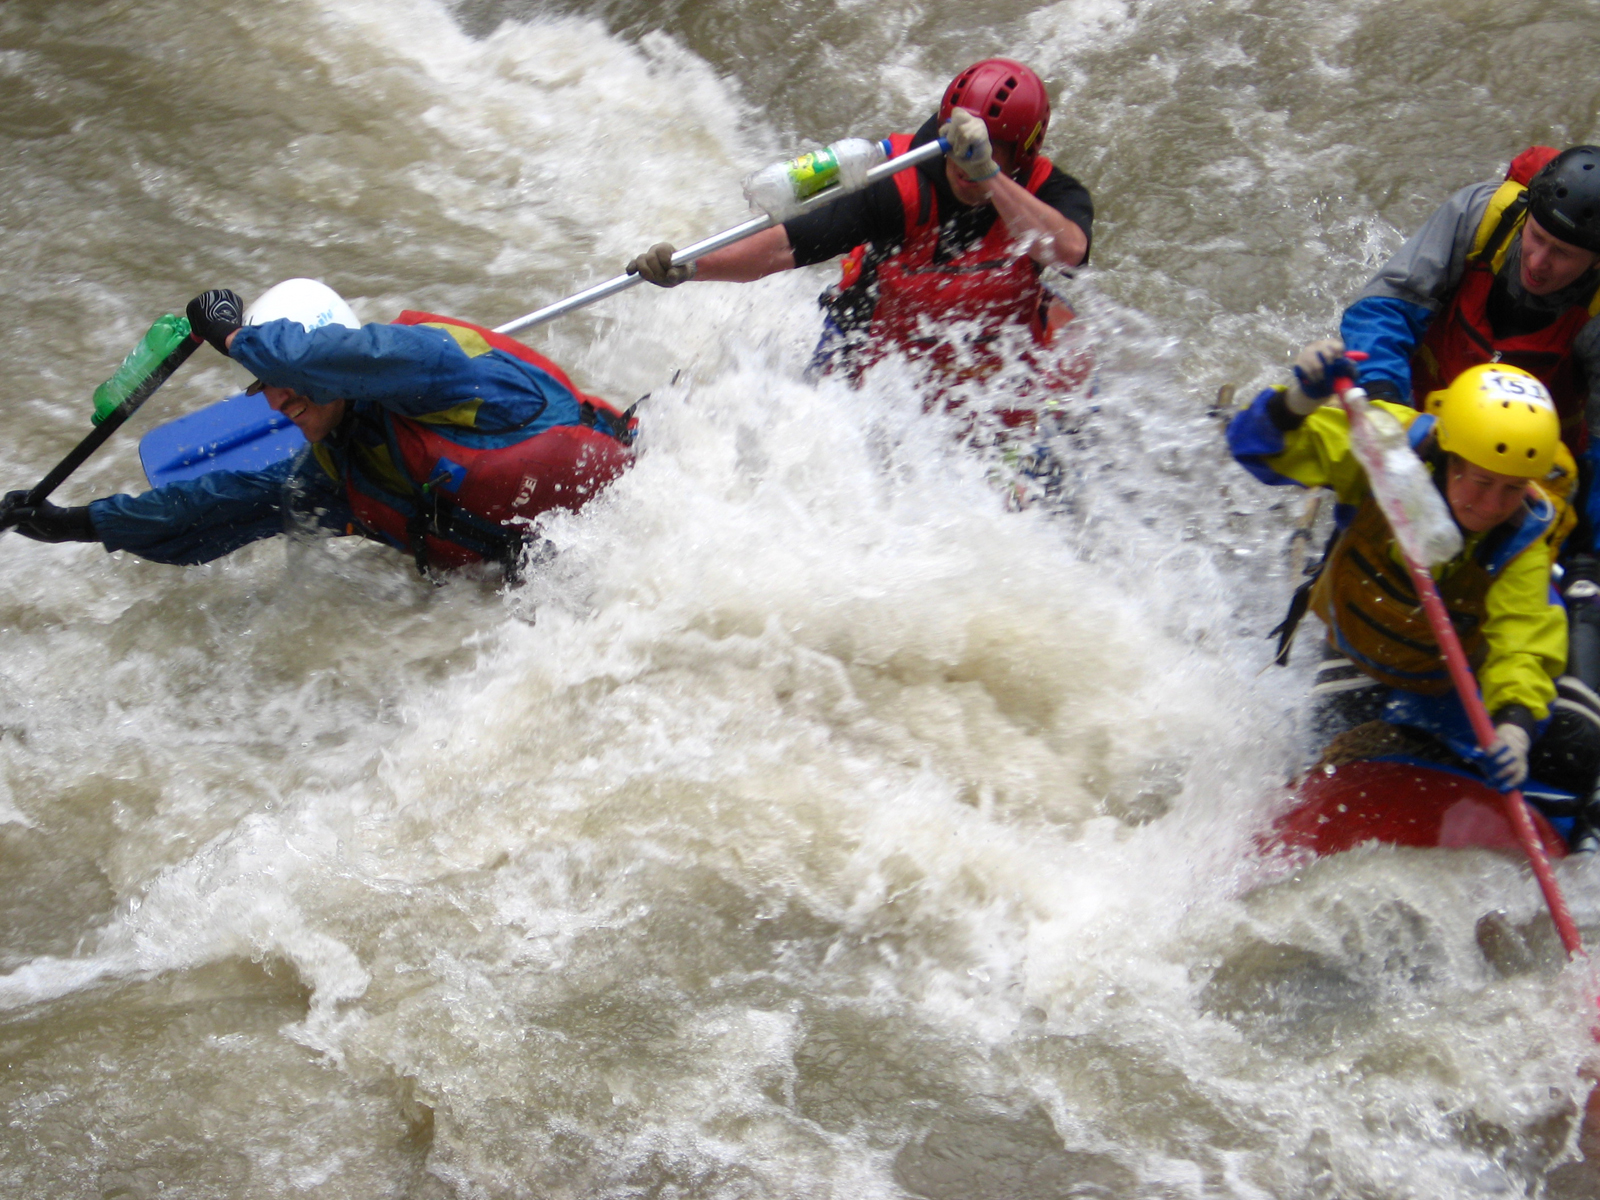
{"x":1366,"y":598}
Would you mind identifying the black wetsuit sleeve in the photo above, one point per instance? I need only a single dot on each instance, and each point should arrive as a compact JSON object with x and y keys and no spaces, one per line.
{"x":873,"y":214}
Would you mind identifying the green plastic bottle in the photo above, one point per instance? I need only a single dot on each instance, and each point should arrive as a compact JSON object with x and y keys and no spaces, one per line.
{"x":165,"y":336}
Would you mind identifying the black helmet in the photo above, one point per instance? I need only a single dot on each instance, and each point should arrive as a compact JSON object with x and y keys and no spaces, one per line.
{"x":1564,"y":197}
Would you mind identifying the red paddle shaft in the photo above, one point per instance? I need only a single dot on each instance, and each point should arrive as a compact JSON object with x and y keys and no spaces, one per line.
{"x":1467,"y":688}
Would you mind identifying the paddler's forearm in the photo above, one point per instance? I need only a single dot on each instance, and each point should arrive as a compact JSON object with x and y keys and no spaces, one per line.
{"x":1051,"y":238}
{"x":761,"y":254}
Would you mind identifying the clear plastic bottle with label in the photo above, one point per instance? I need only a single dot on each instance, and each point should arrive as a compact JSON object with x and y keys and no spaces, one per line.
{"x":780,"y":190}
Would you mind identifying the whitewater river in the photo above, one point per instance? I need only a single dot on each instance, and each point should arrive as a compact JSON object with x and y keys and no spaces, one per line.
{"x":817,"y":824}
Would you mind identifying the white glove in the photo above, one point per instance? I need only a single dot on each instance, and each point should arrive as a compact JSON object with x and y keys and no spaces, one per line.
{"x":1507,"y":757}
{"x":969,"y":145}
{"x":1312,"y":381}
{"x":655,"y":264}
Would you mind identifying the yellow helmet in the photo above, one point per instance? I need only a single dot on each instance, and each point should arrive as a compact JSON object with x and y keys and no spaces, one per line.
{"x":1499,"y":418}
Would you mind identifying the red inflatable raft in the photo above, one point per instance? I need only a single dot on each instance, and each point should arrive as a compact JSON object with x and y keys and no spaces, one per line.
{"x":1408,"y":803}
{"x":1403,"y":803}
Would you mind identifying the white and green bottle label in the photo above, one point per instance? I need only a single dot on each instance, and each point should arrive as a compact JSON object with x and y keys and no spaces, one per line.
{"x":812,"y":172}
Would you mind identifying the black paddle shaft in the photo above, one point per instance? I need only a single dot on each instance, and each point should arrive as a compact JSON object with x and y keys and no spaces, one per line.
{"x":112,"y":423}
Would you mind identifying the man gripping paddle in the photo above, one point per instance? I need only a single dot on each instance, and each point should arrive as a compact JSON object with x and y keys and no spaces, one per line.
{"x":435,"y":436}
{"x":941,"y":261}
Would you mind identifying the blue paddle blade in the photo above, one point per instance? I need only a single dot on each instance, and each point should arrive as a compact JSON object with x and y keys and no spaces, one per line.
{"x":237,"y":434}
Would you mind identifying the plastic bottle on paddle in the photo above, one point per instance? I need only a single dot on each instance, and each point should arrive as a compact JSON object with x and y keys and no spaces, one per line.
{"x":780,"y":190}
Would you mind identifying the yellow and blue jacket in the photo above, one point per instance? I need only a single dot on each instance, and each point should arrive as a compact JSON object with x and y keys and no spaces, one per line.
{"x":1498,"y":589}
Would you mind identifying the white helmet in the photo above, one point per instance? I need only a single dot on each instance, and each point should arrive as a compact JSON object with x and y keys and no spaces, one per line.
{"x":307,"y":301}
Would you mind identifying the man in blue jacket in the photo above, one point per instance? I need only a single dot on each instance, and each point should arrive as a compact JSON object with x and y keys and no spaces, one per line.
{"x":435,"y":436}
{"x":1503,"y":272}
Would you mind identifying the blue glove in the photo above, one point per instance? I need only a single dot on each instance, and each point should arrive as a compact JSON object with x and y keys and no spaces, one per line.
{"x":1505,"y":763}
{"x":1315,"y":369}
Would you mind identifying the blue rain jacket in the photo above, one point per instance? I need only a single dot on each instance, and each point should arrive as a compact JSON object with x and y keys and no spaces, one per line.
{"x":485,"y":396}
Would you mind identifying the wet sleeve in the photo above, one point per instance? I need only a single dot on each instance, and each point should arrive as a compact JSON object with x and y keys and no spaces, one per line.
{"x":195,"y":520}
{"x":1255,"y":436}
{"x":1386,"y":329}
{"x":1266,"y":440}
{"x":410,"y":368}
{"x":873,"y":214}
{"x":1526,"y":631}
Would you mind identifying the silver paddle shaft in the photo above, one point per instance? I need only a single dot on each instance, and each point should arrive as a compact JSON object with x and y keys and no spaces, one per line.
{"x":727,"y":237}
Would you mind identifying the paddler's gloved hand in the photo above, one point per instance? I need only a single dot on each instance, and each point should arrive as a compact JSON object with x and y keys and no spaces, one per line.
{"x":46,"y":522}
{"x":216,"y":314}
{"x":1506,"y":761}
{"x":1315,"y":369}
{"x":969,"y":145}
{"x":655,"y":264}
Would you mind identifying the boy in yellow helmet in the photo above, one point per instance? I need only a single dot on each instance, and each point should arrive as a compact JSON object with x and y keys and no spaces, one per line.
{"x":1493,"y":442}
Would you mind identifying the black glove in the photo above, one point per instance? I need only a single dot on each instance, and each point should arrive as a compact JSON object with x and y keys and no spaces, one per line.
{"x":215,"y":314}
{"x":46,"y":522}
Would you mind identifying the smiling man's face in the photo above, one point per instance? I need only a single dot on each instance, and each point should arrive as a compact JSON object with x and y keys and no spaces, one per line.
{"x":316,"y":421}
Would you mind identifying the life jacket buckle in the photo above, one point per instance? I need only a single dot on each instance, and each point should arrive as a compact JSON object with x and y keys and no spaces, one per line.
{"x":429,"y":515}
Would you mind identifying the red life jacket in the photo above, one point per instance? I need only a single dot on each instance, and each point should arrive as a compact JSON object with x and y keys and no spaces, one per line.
{"x":461,"y":497}
{"x":993,"y":284}
{"x":1461,"y":335}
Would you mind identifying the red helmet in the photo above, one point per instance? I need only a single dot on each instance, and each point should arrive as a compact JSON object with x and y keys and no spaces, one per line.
{"x":1008,"y":96}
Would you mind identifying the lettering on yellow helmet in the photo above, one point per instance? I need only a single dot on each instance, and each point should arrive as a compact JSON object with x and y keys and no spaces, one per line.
{"x":1500,"y":418}
{"x":1513,"y":385}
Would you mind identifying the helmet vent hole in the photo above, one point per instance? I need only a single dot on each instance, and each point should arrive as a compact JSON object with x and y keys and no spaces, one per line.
{"x":1001,"y":95}
{"x":994,"y":110}
{"x":1500,"y":448}
{"x":1531,"y":452}
{"x":1561,"y":193}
